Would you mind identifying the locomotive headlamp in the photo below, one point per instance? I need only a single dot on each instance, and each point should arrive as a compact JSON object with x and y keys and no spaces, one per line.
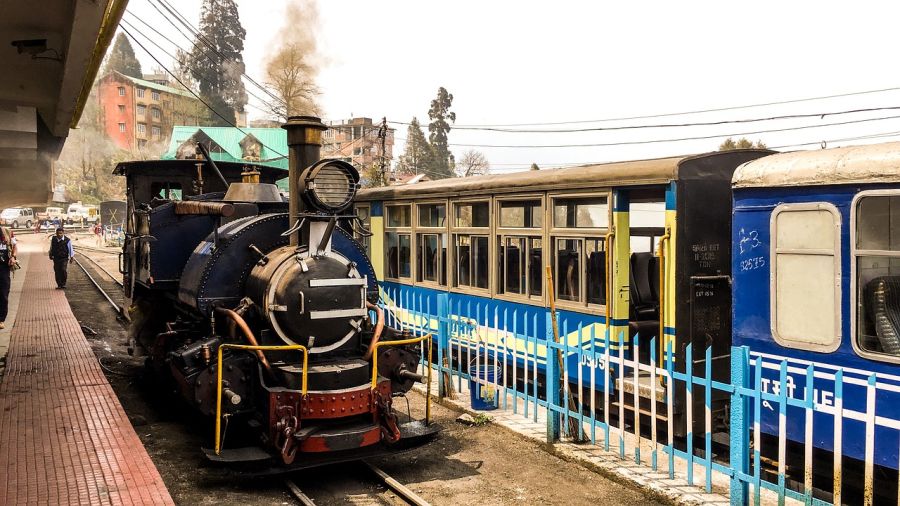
{"x":329,"y":185}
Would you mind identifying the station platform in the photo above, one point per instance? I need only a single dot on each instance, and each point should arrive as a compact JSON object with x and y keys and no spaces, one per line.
{"x":64,"y":437}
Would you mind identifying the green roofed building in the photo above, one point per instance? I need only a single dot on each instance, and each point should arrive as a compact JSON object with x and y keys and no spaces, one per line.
{"x":266,"y":146}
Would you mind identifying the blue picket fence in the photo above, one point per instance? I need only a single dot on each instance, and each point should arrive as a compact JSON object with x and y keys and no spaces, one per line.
{"x":586,"y":385}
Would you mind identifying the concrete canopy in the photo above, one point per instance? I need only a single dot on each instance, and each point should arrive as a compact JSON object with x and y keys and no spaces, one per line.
{"x":50,"y":52}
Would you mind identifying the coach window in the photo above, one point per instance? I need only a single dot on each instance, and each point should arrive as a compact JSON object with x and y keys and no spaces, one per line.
{"x":520,"y":258}
{"x":398,"y":247}
{"x":431,"y":243}
{"x":876,"y":257}
{"x":579,"y":256}
{"x":471,"y":229}
{"x":805,"y":276}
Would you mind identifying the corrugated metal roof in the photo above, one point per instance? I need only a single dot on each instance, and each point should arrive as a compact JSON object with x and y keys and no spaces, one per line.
{"x":274,"y":142}
{"x":159,"y":87}
{"x":875,"y":163}
{"x":273,"y":152}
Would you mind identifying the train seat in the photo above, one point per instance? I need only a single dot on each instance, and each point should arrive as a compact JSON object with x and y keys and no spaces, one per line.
{"x":883,"y":307}
{"x":597,"y":266}
{"x":644,"y":308}
{"x":644,"y":305}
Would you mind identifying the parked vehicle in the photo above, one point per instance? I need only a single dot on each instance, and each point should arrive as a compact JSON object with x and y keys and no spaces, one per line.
{"x":17,"y":217}
{"x":54,"y":212}
{"x":81,"y":214}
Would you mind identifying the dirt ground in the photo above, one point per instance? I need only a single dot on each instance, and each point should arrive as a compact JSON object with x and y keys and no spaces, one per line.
{"x":463,"y":466}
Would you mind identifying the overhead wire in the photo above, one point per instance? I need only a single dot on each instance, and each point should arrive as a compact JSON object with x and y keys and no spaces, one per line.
{"x":198,"y":97}
{"x":687,"y":113}
{"x":677,"y":125}
{"x":170,"y":55}
{"x":199,"y":36}
{"x":676,"y":139}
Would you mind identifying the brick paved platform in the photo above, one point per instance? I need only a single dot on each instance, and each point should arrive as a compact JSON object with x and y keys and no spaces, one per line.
{"x":64,"y":437}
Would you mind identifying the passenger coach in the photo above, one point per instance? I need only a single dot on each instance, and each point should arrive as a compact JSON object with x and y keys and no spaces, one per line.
{"x":635,"y":247}
{"x":817,"y":282}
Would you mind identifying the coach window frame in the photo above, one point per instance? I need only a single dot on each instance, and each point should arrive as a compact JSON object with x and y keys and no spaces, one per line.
{"x":399,"y":230}
{"x":470,"y":232}
{"x":773,"y":273}
{"x":582,"y":234}
{"x":854,"y":285}
{"x":528,"y":233}
{"x":443,"y":234}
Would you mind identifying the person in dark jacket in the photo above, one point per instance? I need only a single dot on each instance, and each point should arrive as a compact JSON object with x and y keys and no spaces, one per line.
{"x":61,"y":252}
{"x":7,"y":259}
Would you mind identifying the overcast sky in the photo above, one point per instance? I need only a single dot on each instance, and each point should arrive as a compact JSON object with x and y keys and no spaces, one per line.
{"x":514,"y":62}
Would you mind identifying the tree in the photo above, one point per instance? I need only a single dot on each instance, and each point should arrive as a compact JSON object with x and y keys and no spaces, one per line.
{"x":741,"y":143}
{"x":438,"y":128}
{"x":372,"y":176}
{"x":472,"y":163}
{"x":216,"y":61}
{"x":418,"y":156}
{"x":85,"y":166}
{"x":122,"y":58}
{"x":290,"y":78}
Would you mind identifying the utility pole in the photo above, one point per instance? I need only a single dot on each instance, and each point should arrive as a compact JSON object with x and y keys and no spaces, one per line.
{"x":382,"y":134}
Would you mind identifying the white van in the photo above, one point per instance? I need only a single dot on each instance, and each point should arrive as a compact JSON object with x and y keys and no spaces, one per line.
{"x":17,"y":217}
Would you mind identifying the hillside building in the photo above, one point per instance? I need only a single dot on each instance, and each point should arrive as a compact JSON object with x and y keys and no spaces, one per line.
{"x":137,"y":112}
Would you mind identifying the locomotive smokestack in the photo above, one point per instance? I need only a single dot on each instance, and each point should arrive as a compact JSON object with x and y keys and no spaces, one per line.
{"x":304,"y":138}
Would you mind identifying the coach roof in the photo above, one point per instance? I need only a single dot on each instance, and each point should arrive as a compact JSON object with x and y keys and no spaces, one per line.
{"x":876,"y":163}
{"x":655,"y":171}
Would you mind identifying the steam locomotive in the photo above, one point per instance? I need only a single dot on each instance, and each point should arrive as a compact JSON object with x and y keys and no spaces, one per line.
{"x":262,"y":312}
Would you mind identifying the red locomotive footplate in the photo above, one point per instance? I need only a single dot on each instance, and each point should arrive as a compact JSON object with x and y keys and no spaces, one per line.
{"x":340,"y":404}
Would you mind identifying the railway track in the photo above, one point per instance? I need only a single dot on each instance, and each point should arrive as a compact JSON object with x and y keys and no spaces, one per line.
{"x":402,"y":492}
{"x":98,"y":280}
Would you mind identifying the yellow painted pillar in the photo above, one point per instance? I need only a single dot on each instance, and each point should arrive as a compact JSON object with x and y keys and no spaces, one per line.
{"x":621,"y":286}
{"x":668,"y":313}
{"x":376,"y":226}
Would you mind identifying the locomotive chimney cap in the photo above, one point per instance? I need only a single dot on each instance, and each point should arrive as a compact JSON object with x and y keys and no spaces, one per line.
{"x":304,"y":130}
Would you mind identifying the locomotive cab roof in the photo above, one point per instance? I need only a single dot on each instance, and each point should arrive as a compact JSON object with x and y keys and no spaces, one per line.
{"x":231,"y":170}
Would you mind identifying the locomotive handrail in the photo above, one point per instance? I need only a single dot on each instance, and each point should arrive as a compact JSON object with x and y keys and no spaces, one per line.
{"x":662,"y":291}
{"x":391,"y":343}
{"x":610,"y":275}
{"x":283,"y":347}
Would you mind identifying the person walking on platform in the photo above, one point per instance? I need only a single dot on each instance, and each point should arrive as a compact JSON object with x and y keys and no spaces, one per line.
{"x":61,"y":252}
{"x":8,"y":252}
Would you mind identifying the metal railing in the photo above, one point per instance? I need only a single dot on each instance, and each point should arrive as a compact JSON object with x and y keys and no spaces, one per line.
{"x":751,"y":435}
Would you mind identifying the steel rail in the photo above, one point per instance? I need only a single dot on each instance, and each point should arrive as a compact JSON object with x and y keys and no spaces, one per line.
{"x":98,"y":250}
{"x":111,"y":275}
{"x":405,"y":493}
{"x":97,"y":285}
{"x":296,"y":492}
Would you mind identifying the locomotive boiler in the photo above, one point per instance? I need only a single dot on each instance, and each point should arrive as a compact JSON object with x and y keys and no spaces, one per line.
{"x":261,"y":311}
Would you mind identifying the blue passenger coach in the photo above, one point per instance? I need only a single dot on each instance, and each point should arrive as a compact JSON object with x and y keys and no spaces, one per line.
{"x":816,"y":269}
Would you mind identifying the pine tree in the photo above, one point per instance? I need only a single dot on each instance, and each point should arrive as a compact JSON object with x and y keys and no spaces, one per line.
{"x":418,"y":156}
{"x":439,"y":114}
{"x":216,"y":60}
{"x":122,"y":58}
